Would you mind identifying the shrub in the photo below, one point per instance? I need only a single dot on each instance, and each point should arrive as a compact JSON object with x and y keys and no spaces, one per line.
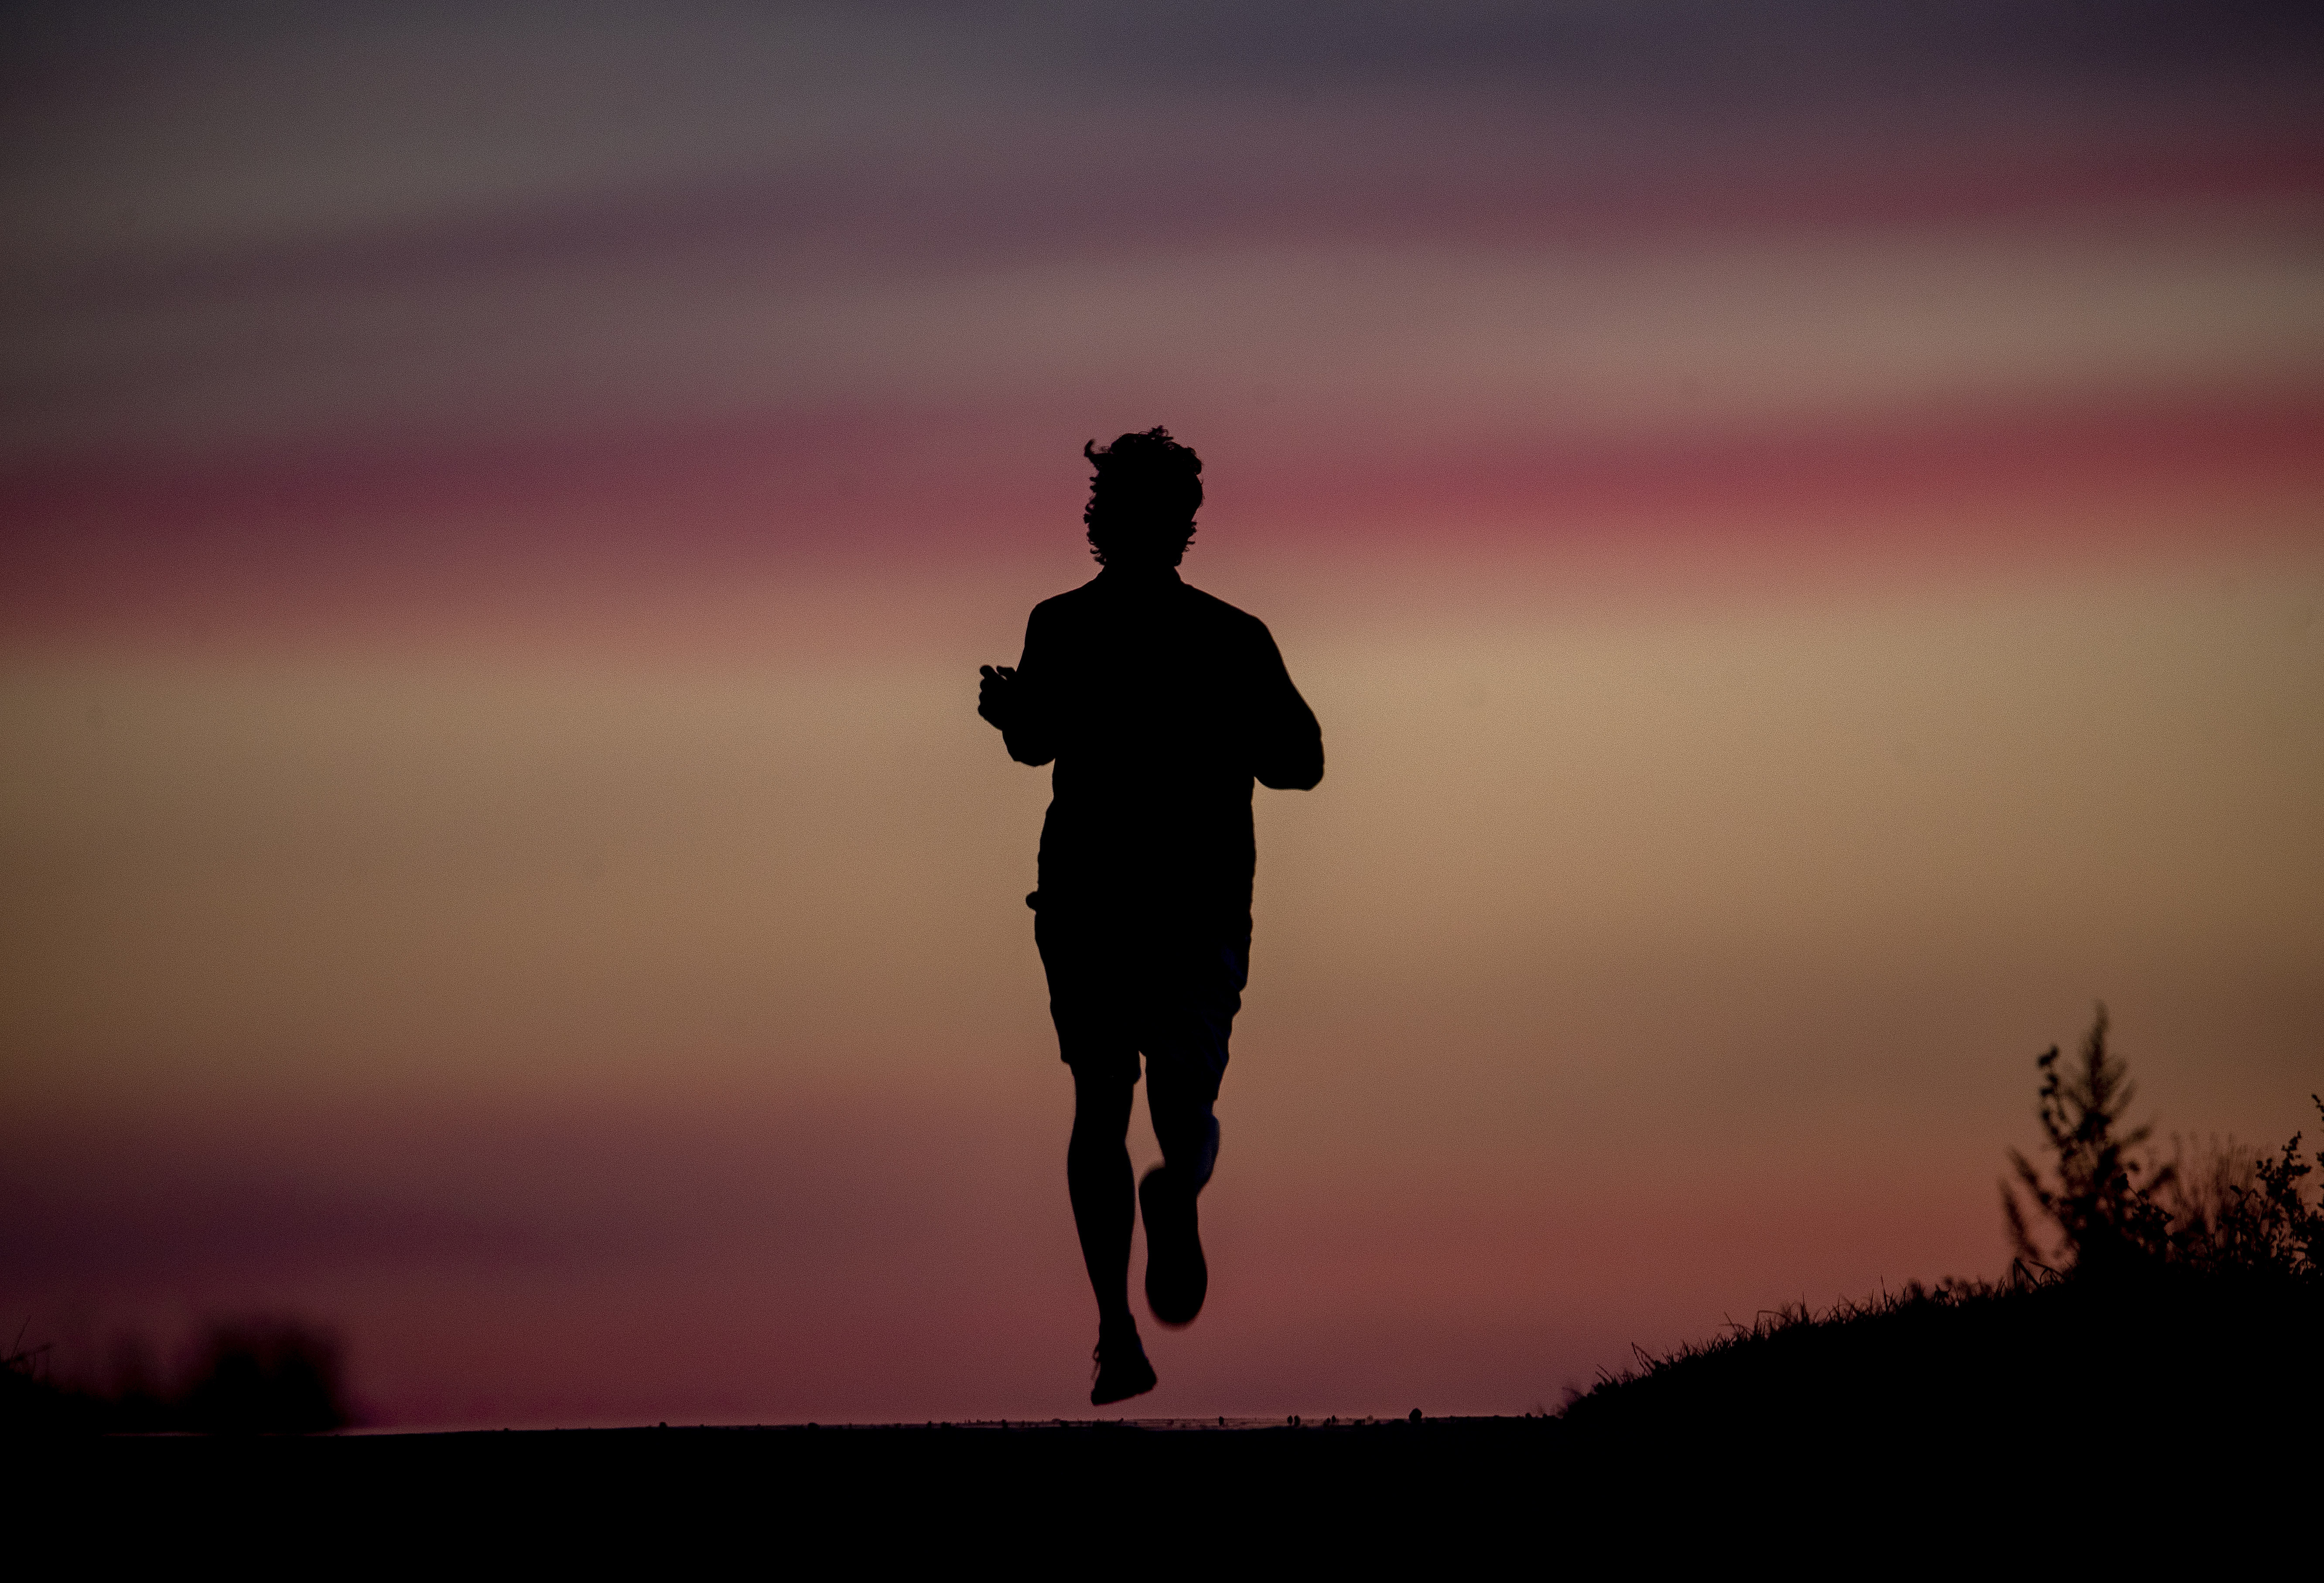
{"x":2103,"y":1217}
{"x":2233,"y":1211}
{"x":2224,"y":1212}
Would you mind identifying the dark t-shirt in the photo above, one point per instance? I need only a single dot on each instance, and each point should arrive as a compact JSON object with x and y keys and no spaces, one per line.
{"x":1160,"y":705}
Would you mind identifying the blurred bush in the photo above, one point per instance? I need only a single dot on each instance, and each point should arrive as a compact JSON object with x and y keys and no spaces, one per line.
{"x":243,"y":1377}
{"x":264,"y":1378}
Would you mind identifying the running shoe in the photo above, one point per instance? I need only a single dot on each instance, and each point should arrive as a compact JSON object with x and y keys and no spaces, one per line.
{"x":1122,"y":1371}
{"x":1177,"y":1278}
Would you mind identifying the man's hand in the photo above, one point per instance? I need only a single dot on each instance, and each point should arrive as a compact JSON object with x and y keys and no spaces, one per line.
{"x":993,"y":700}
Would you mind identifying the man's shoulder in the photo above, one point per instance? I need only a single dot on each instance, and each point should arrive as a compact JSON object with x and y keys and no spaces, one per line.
{"x":1210,"y":608}
{"x":1092,"y":604}
{"x":1071,"y":603}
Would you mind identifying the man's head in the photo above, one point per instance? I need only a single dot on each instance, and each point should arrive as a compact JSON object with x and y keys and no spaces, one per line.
{"x":1142,"y":500}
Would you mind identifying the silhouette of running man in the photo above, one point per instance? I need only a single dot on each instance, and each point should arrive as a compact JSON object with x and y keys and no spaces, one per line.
{"x":1159,"y":705}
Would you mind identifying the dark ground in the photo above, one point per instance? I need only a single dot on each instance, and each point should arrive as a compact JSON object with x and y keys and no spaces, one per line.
{"x":1036,"y":1497}
{"x":1145,"y":1498}
{"x":2059,"y":1423}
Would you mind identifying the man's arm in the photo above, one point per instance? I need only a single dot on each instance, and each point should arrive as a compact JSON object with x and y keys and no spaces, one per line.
{"x":1286,"y":745}
{"x":1017,"y":701}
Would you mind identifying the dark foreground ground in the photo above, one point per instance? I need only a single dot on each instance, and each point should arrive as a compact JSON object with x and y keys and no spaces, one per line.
{"x":2062,"y":1422}
{"x":1040,"y":1499}
{"x":1143,"y":1497}
{"x":1036,"y":1497}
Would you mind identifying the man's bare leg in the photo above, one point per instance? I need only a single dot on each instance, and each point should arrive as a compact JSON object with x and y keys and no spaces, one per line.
{"x":1098,"y":1176}
{"x":1188,"y":1131}
{"x":1177,"y":1277}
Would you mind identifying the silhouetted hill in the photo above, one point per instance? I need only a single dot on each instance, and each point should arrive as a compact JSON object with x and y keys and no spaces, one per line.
{"x":1992,"y":1371}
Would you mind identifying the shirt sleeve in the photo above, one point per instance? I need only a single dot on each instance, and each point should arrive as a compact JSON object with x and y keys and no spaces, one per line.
{"x":1030,"y":731}
{"x":1287,"y":743}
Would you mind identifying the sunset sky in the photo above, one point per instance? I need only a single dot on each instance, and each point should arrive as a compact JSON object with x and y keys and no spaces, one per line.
{"x":1803,"y":523}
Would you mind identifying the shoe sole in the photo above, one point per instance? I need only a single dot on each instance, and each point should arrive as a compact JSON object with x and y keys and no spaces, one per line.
{"x":1177,"y":1279}
{"x":1131,"y":1376}
{"x":1101,"y":1398}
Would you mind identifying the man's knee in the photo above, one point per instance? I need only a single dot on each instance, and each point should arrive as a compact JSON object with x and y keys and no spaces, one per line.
{"x":1102,"y":1098}
{"x":1183,"y":1073}
{"x":1180,"y":1104}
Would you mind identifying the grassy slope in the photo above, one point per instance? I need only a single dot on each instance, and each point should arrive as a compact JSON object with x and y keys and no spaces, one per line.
{"x":1994,"y":1369}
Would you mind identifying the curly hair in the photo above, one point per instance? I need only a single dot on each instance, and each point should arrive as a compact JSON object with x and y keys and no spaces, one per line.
{"x":1143,"y":498}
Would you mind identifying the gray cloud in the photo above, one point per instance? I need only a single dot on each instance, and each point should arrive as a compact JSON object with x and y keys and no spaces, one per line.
{"x":139,"y":130}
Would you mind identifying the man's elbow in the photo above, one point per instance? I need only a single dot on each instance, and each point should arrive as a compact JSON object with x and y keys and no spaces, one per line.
{"x":1301,"y":777}
{"x":1027,"y":750}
